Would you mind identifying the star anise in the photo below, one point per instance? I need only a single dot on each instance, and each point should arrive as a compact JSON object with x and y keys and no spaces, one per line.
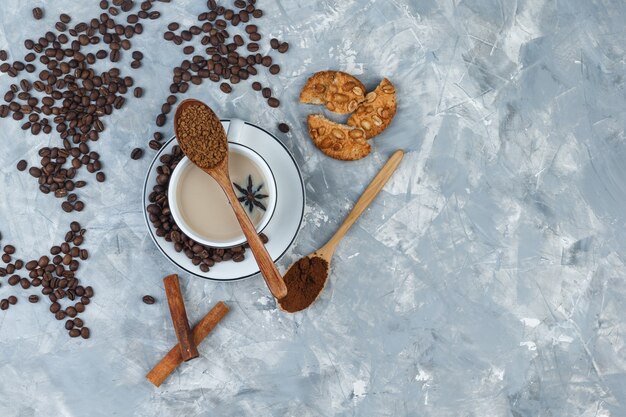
{"x":250,"y":195}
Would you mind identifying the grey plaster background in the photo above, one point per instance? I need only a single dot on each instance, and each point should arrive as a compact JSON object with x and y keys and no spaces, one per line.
{"x":487,"y":280}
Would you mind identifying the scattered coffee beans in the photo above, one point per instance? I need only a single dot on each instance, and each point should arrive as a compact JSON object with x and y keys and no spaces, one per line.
{"x":220,"y":54}
{"x":55,"y":275}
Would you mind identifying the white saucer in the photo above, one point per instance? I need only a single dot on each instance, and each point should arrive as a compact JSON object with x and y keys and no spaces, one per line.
{"x":282,"y":228}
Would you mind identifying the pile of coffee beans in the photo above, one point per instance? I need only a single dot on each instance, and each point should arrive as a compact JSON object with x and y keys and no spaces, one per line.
{"x":221,"y":35}
{"x":56,"y":276}
{"x":161,"y":217}
{"x":68,"y":95}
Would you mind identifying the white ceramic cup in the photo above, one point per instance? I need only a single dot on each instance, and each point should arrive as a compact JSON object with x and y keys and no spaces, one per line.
{"x":234,"y":129}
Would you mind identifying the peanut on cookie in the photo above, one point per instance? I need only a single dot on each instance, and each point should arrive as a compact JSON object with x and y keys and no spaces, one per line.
{"x":339,"y":91}
{"x":336,"y":140}
{"x":377,"y":111}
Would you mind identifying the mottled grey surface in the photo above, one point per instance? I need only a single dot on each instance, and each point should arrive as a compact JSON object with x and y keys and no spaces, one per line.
{"x":487,"y":279}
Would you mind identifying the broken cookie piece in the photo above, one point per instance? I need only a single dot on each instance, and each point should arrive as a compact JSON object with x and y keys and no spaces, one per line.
{"x":339,"y":91}
{"x":375,"y":114}
{"x":336,"y":140}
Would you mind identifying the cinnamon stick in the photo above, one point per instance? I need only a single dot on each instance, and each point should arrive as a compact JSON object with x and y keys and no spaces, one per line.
{"x":188,"y":348}
{"x":170,"y":362}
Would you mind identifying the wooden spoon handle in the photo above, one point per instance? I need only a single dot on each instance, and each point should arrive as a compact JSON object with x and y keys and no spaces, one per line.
{"x":270,"y":273}
{"x":367,"y":197}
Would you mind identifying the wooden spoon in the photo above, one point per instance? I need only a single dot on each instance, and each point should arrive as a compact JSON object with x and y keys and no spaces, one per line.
{"x":220,"y":173}
{"x":295,"y":290}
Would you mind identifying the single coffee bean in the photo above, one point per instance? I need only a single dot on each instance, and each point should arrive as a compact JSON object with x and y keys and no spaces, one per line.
{"x":226,"y":88}
{"x":284,"y":47}
{"x":67,"y":207}
{"x":188,"y":50}
{"x":257,"y":86}
{"x":55,"y":307}
{"x":274,"y":43}
{"x":37,"y":13}
{"x":33,"y":298}
{"x":74,"y":333}
{"x":13,"y":280}
{"x":3,"y":55}
{"x":148,"y":299}
{"x":12,"y":300}
{"x":273,"y":102}
{"x":253,"y":47}
{"x":25,"y":283}
{"x":21,"y":165}
{"x":71,"y":311}
{"x":84,"y":333}
{"x":4,"y":304}
{"x":69,"y":325}
{"x":136,"y":153}
{"x":274,"y":69}
{"x":283,"y":127}
{"x":10,"y":249}
{"x":78,"y":322}
{"x":100,"y":177}
{"x":267,"y":92}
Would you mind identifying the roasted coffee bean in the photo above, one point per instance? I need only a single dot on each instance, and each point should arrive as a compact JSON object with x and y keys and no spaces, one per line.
{"x":38,"y":13}
{"x":148,"y":299}
{"x":25,"y":283}
{"x":67,"y":207}
{"x":257,"y":86}
{"x":84,"y":332}
{"x":79,"y":206}
{"x":274,"y":43}
{"x":284,"y":47}
{"x":9,"y":249}
{"x":188,"y":50}
{"x":74,"y":333}
{"x":71,"y":311}
{"x":226,"y":88}
{"x":21,"y":165}
{"x":155,"y":145}
{"x":273,"y":102}
{"x":274,"y":69}
{"x":100,"y":177}
{"x":283,"y":127}
{"x":69,"y":325}
{"x":4,"y":304}
{"x":173,"y":26}
{"x":136,"y":153}
{"x":253,"y":47}
{"x":12,"y":300}
{"x":3,"y":55}
{"x":33,"y":298}
{"x":55,"y":307}
{"x":267,"y":92}
{"x":78,"y":322}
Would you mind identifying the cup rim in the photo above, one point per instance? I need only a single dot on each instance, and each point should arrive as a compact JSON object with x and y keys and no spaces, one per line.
{"x":265,"y":220}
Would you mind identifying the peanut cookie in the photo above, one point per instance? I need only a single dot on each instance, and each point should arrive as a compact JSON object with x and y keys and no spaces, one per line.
{"x":377,"y":111}
{"x":339,"y":91}
{"x":336,"y":140}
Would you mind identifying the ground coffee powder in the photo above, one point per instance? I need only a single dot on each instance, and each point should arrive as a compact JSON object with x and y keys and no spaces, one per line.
{"x":304,"y":280}
{"x":201,"y":136}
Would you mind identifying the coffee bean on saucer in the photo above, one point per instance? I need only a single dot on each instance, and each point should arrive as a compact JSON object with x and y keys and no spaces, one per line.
{"x":37,"y":13}
{"x":148,"y":299}
{"x":33,"y":298}
{"x":21,"y":165}
{"x":136,"y":153}
{"x":283,"y":127}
